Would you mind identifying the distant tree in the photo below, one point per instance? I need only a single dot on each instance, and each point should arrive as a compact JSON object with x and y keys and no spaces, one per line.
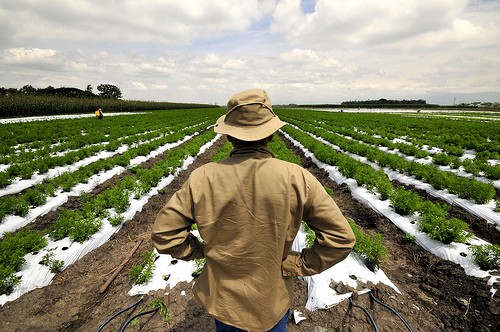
{"x":8,"y":91}
{"x":28,"y":89}
{"x":109,"y":91}
{"x":89,"y":88}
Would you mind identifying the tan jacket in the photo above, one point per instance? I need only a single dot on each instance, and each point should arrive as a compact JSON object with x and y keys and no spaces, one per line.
{"x":248,"y":209}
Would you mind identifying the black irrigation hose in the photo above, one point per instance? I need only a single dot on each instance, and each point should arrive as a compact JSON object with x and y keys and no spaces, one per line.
{"x":133,"y":305}
{"x":134,"y":317}
{"x":391,"y":309}
{"x":367,"y":313}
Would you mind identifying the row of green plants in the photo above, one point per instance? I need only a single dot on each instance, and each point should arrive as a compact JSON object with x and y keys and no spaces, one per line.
{"x":20,"y":204}
{"x":449,"y":157}
{"x":100,"y":139}
{"x":80,"y":225}
{"x":434,"y":218}
{"x":451,"y":136}
{"x":31,"y":140}
{"x":479,"y":166}
{"x":77,"y":132}
{"x":467,"y":188}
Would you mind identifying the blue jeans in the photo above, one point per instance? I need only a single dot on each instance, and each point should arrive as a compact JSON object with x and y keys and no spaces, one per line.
{"x":280,"y":327}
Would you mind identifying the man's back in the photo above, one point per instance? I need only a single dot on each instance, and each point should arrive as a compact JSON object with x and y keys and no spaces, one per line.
{"x":248,"y":210}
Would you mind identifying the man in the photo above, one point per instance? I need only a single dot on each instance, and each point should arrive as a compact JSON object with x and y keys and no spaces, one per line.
{"x":248,"y":210}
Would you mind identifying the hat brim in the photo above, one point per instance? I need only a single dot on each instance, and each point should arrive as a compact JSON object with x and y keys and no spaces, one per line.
{"x":248,"y":133}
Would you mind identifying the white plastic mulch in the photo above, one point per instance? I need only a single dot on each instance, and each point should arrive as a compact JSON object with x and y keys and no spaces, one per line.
{"x":453,"y":252}
{"x":59,"y":117}
{"x":320,"y":294}
{"x":35,"y":275}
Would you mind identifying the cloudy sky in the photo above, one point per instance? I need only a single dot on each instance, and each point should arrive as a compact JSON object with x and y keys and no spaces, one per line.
{"x":309,"y":51}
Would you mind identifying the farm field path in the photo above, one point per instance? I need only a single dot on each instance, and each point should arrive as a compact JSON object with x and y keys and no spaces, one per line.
{"x":436,"y":295}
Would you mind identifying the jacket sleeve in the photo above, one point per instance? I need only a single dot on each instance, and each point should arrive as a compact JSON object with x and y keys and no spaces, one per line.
{"x":334,"y":237}
{"x":171,"y":230}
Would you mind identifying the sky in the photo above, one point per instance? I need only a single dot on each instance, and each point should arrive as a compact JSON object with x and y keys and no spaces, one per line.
{"x":300,"y":52}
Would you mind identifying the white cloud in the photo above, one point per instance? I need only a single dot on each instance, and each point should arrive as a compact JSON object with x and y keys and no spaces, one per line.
{"x":22,"y":55}
{"x":369,"y":22}
{"x":139,"y":86}
{"x":145,"y":21}
{"x":205,"y":50}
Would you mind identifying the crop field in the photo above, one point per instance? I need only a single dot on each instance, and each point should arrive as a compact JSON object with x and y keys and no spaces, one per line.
{"x":78,"y":197}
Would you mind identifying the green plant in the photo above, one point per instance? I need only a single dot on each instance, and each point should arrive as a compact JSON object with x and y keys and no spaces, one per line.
{"x":55,"y":265}
{"x":405,"y":202}
{"x":142,"y":274}
{"x":497,"y":205}
{"x":369,"y":247}
{"x":198,"y":267}
{"x":158,"y":303}
{"x":328,"y":190}
{"x":13,"y":248}
{"x":116,"y":220}
{"x":8,"y":280}
{"x":446,"y":231}
{"x":35,"y":197}
{"x":310,"y":235}
{"x":487,"y":256}
{"x":118,"y":199}
{"x":75,"y":225}
{"x":409,"y":238}
{"x":15,"y":205}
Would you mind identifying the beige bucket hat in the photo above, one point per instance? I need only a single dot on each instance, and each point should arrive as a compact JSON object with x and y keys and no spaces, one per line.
{"x":249,"y":116}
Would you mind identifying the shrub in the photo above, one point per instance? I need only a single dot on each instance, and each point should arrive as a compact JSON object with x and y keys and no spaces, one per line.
{"x":54,"y":265}
{"x":8,"y":280}
{"x":74,"y":225}
{"x":13,"y":248}
{"x":15,"y":205}
{"x":118,"y":199}
{"x":83,"y":229}
{"x":35,"y":197}
{"x":5,"y":179}
{"x":369,"y":247}
{"x":441,"y":159}
{"x":405,"y":202}
{"x":430,"y":209}
{"x":492,"y":171}
{"x":116,"y":220}
{"x":446,"y":231}
{"x":487,"y":256}
{"x":141,"y":274}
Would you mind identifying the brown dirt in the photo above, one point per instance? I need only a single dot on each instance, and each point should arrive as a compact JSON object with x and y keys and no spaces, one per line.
{"x":436,"y":295}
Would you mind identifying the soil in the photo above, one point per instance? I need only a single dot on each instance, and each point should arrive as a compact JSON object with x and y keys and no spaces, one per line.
{"x":436,"y":295}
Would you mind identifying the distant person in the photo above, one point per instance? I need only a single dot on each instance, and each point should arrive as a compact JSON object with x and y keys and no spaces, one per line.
{"x":98,"y":113}
{"x":248,"y":209}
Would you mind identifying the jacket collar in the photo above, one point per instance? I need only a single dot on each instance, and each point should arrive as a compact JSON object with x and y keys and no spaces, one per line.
{"x":252,"y":150}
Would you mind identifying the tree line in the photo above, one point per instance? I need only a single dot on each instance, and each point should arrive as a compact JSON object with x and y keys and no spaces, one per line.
{"x":382,"y":102}
{"x":105,"y":91}
{"x":30,"y":101}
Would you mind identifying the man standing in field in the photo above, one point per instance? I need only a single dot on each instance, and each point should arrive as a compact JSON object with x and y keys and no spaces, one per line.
{"x":98,"y":113}
{"x":248,"y":210}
